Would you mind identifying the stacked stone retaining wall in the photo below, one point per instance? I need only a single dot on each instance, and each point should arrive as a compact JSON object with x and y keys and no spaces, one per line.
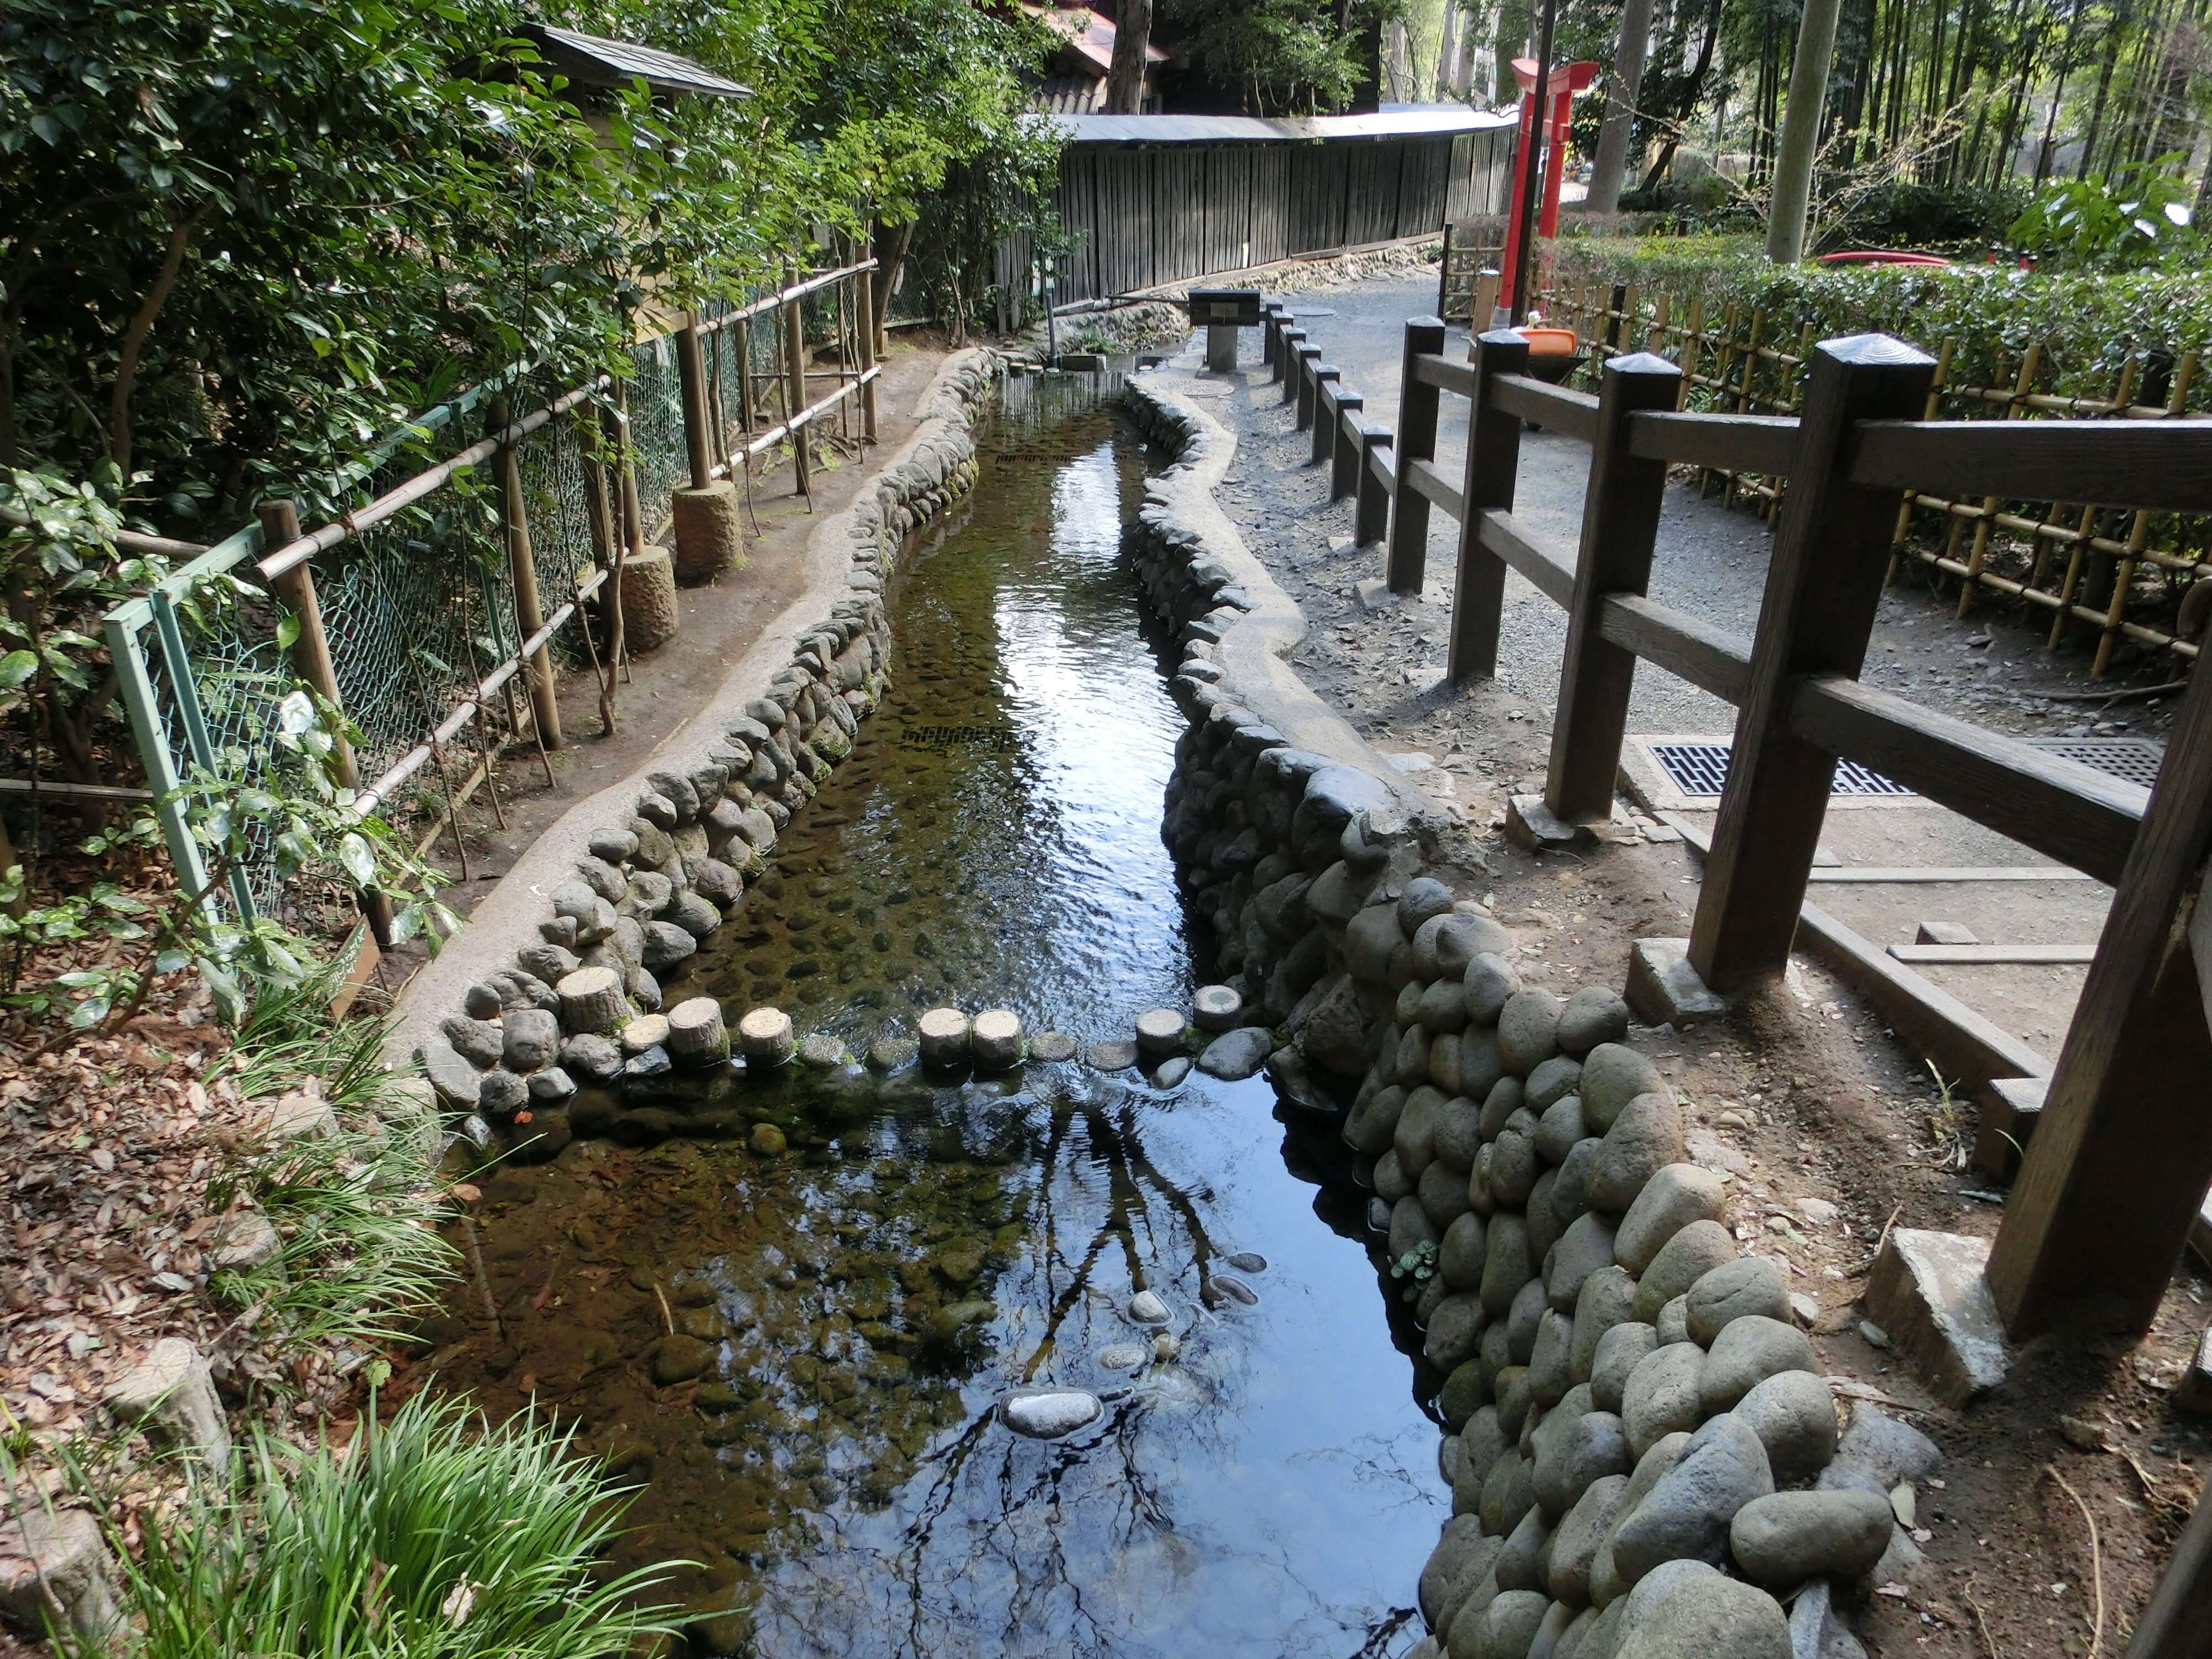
{"x":1644,"y":1457}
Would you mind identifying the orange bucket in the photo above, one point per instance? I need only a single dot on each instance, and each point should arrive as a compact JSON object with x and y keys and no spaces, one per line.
{"x":1549,"y":342}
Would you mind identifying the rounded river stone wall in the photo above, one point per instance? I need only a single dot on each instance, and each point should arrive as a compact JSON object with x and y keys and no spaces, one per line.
{"x":582,"y":1004}
{"x":1644,"y":1457}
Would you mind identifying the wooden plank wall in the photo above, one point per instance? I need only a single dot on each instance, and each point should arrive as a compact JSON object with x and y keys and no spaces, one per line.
{"x":1142,"y":215}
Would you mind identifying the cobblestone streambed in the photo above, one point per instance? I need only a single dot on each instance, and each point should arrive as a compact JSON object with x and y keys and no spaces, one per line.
{"x":795,"y":1308}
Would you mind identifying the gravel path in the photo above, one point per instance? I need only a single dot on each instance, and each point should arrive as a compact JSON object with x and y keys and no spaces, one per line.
{"x":1386,"y":666}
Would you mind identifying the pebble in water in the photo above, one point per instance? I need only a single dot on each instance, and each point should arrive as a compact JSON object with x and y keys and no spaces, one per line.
{"x":1049,"y":1413}
{"x":1248,"y":1262}
{"x":1222,"y":1292}
{"x":1122,"y":1357}
{"x":1146,"y":1309}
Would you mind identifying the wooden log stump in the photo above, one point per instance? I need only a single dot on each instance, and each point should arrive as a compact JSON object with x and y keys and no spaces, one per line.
{"x":710,"y":538}
{"x":592,"y":1002}
{"x":943,"y":1037}
{"x":697,"y":1036}
{"x":1159,"y":1033}
{"x":995,"y":1039}
{"x":764,"y":1035}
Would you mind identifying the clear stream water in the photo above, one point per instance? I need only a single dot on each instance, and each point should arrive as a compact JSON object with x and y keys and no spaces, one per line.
{"x":861,"y":1300}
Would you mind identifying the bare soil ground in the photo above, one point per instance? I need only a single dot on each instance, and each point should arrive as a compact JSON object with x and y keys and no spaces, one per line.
{"x":1801,"y":1093}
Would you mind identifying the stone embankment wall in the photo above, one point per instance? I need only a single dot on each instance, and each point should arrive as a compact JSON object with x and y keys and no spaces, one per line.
{"x":1644,"y":1457}
{"x":581,"y":1004}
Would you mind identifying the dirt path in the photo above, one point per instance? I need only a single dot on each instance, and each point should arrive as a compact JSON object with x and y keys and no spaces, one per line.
{"x":1830,"y":1129}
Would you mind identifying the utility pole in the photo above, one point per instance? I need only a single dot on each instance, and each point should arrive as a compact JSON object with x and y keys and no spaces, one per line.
{"x":1800,"y":132}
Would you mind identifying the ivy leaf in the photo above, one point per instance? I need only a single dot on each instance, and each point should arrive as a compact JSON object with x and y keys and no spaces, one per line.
{"x":16,"y":667}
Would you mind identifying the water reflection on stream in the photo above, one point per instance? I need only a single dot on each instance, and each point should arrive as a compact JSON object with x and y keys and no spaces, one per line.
{"x":817,"y":1433}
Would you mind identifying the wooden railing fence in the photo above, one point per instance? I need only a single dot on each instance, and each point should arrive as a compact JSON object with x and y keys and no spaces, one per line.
{"x":2080,"y":562}
{"x":2122,"y":1158}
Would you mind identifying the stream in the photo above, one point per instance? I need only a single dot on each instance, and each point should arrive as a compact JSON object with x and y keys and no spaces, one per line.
{"x":789,"y":1324}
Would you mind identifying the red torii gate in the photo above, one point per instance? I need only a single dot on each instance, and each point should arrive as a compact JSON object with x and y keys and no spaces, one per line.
{"x":1560,"y":87}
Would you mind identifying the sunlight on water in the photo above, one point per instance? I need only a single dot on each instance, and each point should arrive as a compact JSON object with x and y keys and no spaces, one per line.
{"x":799,"y":1356}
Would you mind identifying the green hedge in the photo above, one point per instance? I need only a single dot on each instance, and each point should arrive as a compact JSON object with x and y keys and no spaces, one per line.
{"x":2089,"y":325}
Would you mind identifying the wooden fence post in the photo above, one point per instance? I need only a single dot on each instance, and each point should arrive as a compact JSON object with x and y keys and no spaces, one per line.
{"x":691,"y":380}
{"x":1309,"y":393}
{"x":1417,"y":441}
{"x":311,"y":658}
{"x":1343,"y":455}
{"x":1305,"y":357}
{"x":2123,"y":1152}
{"x":522,"y":570}
{"x":2177,"y":1622}
{"x":1823,"y":584}
{"x":1493,"y":467}
{"x":1620,"y":525}
{"x":1271,"y":319}
{"x":1370,"y":517}
{"x":1287,"y":342}
{"x":864,"y":301}
{"x":794,"y":368}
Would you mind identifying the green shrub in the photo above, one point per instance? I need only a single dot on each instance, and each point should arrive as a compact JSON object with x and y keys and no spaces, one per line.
{"x":2089,"y":325}
{"x":2140,"y":218}
{"x":432,"y":1537}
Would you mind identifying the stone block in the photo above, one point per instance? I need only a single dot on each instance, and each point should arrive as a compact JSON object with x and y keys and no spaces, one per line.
{"x":1663,"y":989}
{"x":1531,"y":823}
{"x":1928,"y":1293}
{"x":2010,"y":1107}
{"x":171,"y":1394}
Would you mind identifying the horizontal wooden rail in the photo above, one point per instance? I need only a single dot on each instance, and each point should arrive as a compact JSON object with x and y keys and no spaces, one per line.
{"x":1424,"y":479}
{"x":1724,"y":442}
{"x":2159,"y":467}
{"x":776,"y":433}
{"x":61,"y":789}
{"x":798,"y":290}
{"x":1553,"y":407}
{"x":1444,"y":374}
{"x":295,"y":553}
{"x":1709,"y":658}
{"x":2059,"y":807}
{"x":1548,"y":566}
{"x":1383,"y":462}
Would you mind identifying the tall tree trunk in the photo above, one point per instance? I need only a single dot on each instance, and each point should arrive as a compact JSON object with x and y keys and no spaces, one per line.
{"x":1470,"y":39}
{"x":1621,"y":91}
{"x":1125,"y":78}
{"x":1693,"y":91}
{"x":1800,"y":132}
{"x":2114,"y":30}
{"x":1447,"y":50}
{"x":1514,"y":17}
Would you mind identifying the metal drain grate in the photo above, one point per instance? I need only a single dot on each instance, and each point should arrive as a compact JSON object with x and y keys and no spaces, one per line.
{"x":1701,"y":769}
{"x":2136,"y":760}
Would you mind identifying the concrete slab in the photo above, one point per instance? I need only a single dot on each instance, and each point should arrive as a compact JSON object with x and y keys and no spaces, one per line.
{"x":1531,"y":823}
{"x":1663,"y":989}
{"x":1927,"y":1292}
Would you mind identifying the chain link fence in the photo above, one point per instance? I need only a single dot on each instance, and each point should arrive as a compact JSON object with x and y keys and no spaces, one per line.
{"x":424,"y":598}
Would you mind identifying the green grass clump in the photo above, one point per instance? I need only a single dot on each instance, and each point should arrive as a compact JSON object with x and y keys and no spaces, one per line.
{"x":355,"y":1210}
{"x":431,"y":1537}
